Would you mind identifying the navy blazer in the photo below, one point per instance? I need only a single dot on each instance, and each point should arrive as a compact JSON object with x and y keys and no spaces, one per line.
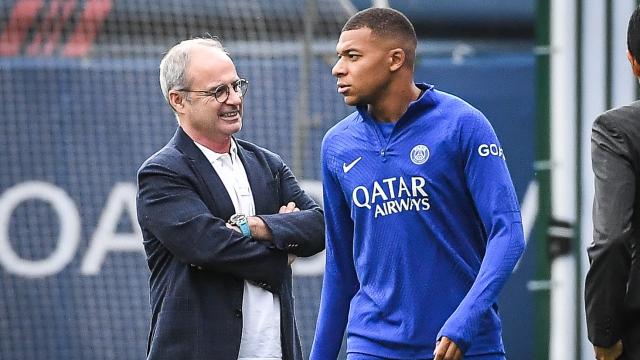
{"x":198,"y":265}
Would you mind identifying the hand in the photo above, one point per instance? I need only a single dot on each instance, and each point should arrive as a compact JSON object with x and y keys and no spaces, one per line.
{"x":291,"y":258}
{"x":290,"y":207}
{"x":447,"y":350}
{"x":284,"y":209}
{"x":610,"y":353}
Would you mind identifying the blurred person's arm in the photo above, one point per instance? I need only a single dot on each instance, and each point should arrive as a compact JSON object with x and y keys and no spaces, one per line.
{"x":609,"y":252}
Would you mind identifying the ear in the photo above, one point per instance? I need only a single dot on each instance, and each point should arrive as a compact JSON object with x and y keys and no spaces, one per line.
{"x":635,"y":67}
{"x":397,"y":57}
{"x":176,"y":100}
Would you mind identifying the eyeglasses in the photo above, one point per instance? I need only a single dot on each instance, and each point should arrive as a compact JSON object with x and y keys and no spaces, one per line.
{"x":221,"y":92}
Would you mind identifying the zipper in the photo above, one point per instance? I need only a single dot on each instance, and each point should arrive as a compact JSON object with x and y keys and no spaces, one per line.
{"x":383,"y":144}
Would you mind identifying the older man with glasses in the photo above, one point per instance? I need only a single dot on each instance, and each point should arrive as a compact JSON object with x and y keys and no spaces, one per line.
{"x":222,"y":220}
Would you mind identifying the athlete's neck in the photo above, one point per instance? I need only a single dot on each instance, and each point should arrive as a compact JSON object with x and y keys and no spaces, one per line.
{"x":391,"y":107}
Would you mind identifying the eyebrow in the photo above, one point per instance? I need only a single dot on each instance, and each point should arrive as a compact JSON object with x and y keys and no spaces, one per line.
{"x":347,"y":50}
{"x":212,"y":88}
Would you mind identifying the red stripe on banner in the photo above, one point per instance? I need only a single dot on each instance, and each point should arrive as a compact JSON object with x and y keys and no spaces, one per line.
{"x":22,"y":16}
{"x":56,"y":32}
{"x":95,"y":12}
{"x":45,"y":25}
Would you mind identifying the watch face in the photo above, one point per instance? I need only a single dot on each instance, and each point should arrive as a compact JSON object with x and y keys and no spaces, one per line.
{"x":238,"y":219}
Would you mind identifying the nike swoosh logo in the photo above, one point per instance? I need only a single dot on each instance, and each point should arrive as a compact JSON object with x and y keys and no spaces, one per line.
{"x":348,"y":167}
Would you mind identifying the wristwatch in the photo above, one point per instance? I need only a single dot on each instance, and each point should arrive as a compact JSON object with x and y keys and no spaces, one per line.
{"x":240,"y":220}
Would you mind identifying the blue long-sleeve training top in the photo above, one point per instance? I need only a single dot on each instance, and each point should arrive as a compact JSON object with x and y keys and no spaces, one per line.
{"x":423,"y":229}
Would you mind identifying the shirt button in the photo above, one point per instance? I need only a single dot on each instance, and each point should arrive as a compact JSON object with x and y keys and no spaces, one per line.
{"x":238,"y":313}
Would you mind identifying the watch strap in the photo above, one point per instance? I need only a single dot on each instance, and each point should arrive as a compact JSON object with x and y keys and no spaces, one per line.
{"x":240,"y":220}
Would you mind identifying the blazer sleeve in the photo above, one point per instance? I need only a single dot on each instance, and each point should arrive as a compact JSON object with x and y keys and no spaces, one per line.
{"x":301,"y":232}
{"x":172,"y":210}
{"x":609,"y":253}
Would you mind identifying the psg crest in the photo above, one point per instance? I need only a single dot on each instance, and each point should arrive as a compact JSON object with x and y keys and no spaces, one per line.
{"x":419,"y":154}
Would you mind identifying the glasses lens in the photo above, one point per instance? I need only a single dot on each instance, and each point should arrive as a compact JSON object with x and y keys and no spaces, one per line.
{"x":221,"y":93}
{"x":241,"y":86}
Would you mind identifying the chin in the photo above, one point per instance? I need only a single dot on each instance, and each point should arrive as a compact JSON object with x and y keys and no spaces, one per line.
{"x":231,"y":128}
{"x":236,"y":128}
{"x":351,"y":100}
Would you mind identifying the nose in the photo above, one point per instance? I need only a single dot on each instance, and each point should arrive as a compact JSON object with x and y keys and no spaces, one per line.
{"x":235,"y":97}
{"x":338,"y":69}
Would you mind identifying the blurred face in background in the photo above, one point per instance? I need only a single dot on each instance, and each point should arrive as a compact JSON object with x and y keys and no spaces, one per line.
{"x":202,"y":115}
{"x":362,"y":69}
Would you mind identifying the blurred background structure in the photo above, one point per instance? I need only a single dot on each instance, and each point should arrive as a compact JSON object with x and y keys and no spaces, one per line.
{"x":82,"y":108}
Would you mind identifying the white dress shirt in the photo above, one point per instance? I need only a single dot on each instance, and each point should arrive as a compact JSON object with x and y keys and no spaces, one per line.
{"x":260,"y":308}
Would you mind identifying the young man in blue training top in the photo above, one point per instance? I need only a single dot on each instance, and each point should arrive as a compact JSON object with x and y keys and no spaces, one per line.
{"x":422,"y":221}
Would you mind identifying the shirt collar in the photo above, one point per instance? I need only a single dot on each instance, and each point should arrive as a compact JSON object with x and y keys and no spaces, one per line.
{"x":212,"y":156}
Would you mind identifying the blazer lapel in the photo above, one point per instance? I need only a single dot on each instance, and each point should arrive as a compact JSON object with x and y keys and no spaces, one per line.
{"x":218,"y":200}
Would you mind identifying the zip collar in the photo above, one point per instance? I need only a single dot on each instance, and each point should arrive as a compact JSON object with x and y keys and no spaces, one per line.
{"x":416,"y":108}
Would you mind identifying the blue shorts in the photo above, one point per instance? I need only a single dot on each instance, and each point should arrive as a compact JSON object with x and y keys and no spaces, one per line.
{"x":358,"y":356}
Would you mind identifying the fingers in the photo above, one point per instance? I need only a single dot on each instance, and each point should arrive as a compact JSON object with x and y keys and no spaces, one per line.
{"x":618,"y":349}
{"x":610,"y":353}
{"x":447,"y":350}
{"x":454,"y":352}
{"x":290,"y":207}
{"x":441,"y":349}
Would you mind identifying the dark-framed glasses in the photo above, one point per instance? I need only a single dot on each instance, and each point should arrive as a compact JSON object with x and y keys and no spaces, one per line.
{"x":221,"y":92}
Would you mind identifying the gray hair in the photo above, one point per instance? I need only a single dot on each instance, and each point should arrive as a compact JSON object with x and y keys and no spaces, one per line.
{"x":173,"y":67}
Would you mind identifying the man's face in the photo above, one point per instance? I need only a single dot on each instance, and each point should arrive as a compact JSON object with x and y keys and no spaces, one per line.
{"x":362,"y":68}
{"x":209,"y":68}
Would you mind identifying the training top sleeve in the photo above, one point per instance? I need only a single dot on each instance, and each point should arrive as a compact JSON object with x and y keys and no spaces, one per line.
{"x":489,"y":183}
{"x":340,"y":282}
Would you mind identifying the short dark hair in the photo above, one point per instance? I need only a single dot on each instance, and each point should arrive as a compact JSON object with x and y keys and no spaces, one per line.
{"x":633,"y":35}
{"x":384,"y":23}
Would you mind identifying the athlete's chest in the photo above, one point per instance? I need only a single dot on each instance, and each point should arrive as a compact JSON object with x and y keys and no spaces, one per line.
{"x":370,"y":156}
{"x":398,"y":173}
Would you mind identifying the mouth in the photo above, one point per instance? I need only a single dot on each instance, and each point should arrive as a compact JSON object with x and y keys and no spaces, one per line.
{"x":230,"y":115}
{"x":342,"y":88}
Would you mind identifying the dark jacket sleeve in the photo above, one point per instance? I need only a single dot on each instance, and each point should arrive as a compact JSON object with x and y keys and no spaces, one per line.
{"x":170,"y":207}
{"x":301,"y":232}
{"x":609,"y":252}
